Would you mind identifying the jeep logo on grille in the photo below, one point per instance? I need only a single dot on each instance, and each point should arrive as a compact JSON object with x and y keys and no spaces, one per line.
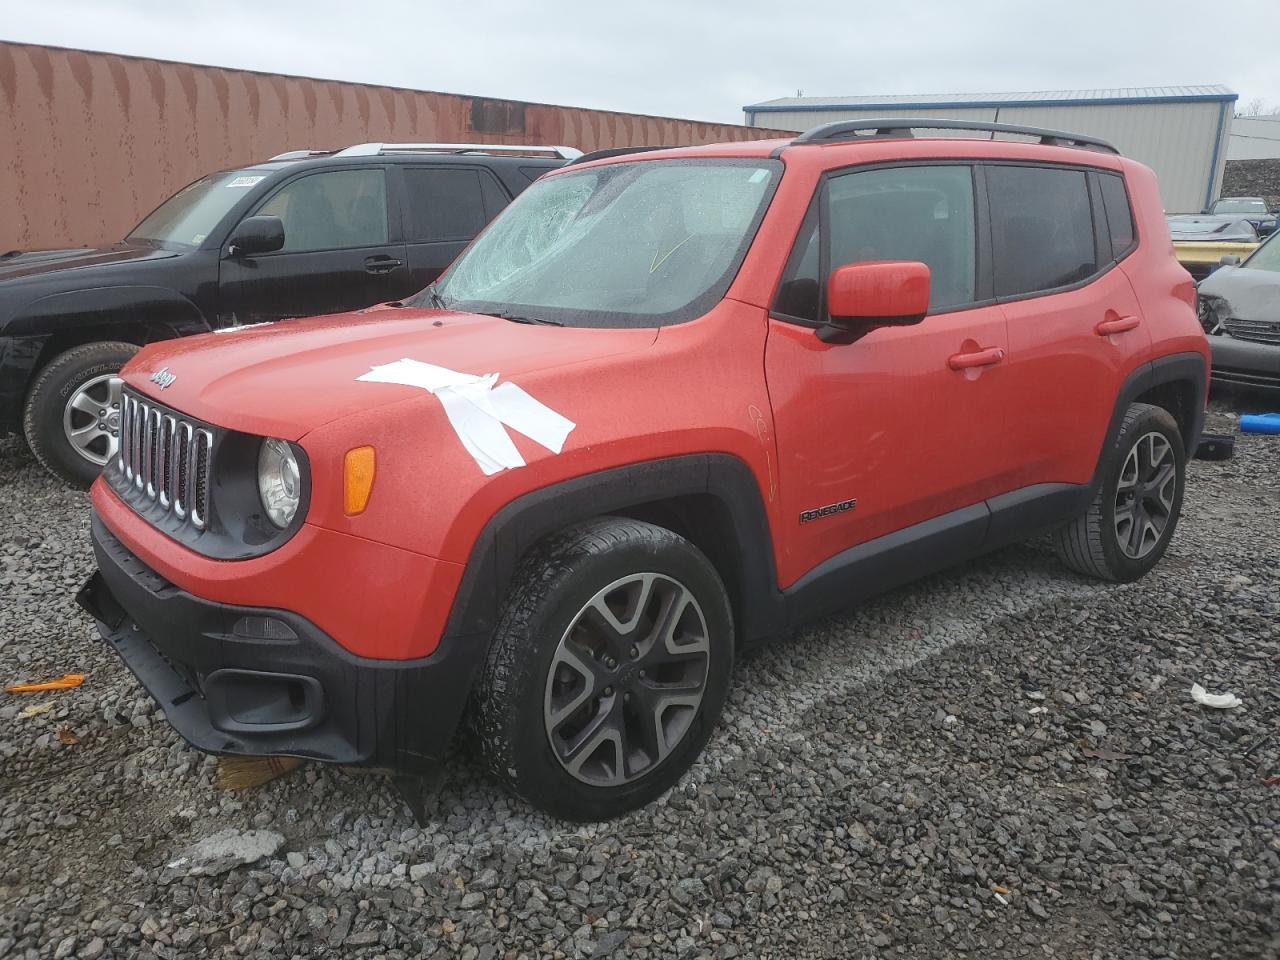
{"x":162,"y":377}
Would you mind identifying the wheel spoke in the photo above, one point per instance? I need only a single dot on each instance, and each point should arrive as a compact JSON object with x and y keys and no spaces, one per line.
{"x":85,"y":436}
{"x":1136,"y":532}
{"x":1165,"y":485}
{"x":571,"y":657}
{"x":605,"y":728}
{"x":1129,"y":472}
{"x":85,"y":403}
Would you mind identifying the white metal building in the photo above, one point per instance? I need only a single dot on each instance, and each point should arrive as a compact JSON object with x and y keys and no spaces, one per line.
{"x":1255,"y":138}
{"x":1180,"y":132}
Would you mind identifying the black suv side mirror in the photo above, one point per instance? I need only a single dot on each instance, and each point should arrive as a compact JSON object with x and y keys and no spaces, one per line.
{"x":256,"y":235}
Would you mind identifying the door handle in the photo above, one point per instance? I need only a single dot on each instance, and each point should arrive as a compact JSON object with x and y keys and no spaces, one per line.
{"x":1116,"y":325}
{"x":381,"y":264}
{"x":979,"y":358}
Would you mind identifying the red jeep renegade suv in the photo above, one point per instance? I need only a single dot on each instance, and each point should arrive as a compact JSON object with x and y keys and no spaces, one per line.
{"x":668,"y":404}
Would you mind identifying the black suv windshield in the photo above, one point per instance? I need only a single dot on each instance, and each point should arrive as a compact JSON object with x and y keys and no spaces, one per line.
{"x":637,"y":244}
{"x":190,"y":215}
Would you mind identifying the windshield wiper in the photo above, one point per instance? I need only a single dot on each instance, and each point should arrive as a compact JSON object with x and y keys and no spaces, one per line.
{"x":433,"y":295}
{"x":516,"y":318}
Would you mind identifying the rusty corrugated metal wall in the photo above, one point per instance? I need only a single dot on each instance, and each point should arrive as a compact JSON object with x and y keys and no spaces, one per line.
{"x":92,"y":142}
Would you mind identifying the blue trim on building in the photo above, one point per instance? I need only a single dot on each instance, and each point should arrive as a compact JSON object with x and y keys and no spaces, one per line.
{"x":1217,"y":149}
{"x":756,"y":108}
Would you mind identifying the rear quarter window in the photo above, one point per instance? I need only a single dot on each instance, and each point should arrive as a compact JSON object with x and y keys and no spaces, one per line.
{"x":1041,"y":229}
{"x":1115,"y":201}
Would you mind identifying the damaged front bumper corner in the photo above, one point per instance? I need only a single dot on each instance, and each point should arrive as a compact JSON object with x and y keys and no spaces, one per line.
{"x":262,"y":682}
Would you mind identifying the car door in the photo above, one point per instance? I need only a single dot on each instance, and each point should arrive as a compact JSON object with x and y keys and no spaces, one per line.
{"x":342,"y":251}
{"x":446,"y":207}
{"x":1075,"y":324}
{"x":907,"y":423}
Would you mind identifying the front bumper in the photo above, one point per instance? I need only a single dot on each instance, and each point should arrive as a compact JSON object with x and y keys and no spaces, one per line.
{"x":260,"y":682}
{"x":1245,"y":363}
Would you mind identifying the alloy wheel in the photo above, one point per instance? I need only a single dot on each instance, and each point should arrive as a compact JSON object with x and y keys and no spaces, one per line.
{"x":91,"y":419}
{"x":1145,"y":495}
{"x":626,"y":679}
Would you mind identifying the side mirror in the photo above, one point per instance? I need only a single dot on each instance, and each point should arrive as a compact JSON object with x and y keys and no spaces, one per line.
{"x":256,"y":235}
{"x":878,"y":293}
{"x":1229,"y":260}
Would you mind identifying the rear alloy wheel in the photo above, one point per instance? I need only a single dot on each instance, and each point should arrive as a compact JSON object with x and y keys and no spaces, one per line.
{"x":607,"y":671}
{"x":72,"y":414}
{"x":1145,"y":495}
{"x":1129,"y":524}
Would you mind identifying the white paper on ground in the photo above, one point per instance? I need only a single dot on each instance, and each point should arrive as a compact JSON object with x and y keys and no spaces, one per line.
{"x":478,"y":410}
{"x":1219,"y":701}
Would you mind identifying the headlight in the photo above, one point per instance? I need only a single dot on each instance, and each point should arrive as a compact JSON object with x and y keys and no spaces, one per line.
{"x":279,"y":481}
{"x":1207,"y":308}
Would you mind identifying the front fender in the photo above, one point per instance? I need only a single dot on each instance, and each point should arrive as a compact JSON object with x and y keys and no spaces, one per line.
{"x":132,"y":305}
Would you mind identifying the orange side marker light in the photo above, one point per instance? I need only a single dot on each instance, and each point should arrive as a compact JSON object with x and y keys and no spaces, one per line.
{"x":358,"y":472}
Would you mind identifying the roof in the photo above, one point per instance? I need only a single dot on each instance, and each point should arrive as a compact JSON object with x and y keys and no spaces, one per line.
{"x":1058,"y":98}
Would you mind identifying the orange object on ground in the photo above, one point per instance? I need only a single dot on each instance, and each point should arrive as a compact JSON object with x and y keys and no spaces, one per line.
{"x":65,"y":682}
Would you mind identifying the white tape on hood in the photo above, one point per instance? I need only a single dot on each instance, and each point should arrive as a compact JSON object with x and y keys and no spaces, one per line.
{"x":478,"y":410}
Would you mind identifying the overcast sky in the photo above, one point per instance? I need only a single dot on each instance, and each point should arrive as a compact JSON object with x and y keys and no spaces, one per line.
{"x":687,"y":58}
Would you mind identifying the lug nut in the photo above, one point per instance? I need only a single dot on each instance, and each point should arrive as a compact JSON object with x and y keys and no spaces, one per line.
{"x":642,"y":674}
{"x":635,"y":652}
{"x":608,"y":691}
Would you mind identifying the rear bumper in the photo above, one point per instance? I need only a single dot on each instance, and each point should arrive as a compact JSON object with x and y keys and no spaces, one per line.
{"x":259,"y":682}
{"x":1245,"y":363}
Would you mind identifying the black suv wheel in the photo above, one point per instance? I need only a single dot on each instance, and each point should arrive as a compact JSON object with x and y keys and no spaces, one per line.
{"x":608,"y":669}
{"x":72,"y":415}
{"x":1127,"y":528}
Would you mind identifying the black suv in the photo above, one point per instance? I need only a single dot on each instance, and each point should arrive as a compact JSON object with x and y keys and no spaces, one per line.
{"x":307,"y":232}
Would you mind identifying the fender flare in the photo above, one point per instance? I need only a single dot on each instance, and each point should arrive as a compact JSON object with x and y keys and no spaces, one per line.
{"x":134,"y":305}
{"x":1174,"y":368}
{"x":726,"y":480}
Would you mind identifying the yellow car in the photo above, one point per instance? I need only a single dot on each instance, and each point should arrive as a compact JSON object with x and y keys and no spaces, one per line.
{"x":1200,"y":241}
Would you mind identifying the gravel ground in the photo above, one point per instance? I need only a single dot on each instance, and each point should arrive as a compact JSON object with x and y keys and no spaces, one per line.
{"x":1002,"y":761}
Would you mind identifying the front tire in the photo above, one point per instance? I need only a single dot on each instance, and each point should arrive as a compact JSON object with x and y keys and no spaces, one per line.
{"x":1131,"y":520}
{"x":608,"y":669}
{"x":72,"y":414}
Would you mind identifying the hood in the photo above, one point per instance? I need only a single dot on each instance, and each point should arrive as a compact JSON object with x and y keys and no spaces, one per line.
{"x":17,"y":264}
{"x":285,"y":379}
{"x":1208,"y":228}
{"x":1251,"y":294}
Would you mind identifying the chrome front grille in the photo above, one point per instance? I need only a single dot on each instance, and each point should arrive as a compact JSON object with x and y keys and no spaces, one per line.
{"x":165,"y":459}
{"x":1260,"y":331}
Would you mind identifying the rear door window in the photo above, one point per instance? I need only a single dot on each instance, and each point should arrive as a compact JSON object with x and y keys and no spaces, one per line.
{"x":1041,"y":228}
{"x":922,"y":213}
{"x":445,"y":203}
{"x":1115,"y":201}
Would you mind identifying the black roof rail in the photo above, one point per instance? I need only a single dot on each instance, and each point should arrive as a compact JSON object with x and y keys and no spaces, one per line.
{"x":901,"y":127}
{"x":611,"y":152}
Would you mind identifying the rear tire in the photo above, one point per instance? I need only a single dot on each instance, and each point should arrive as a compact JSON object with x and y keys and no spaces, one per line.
{"x":1129,"y":524}
{"x":608,"y":669}
{"x":71,"y":417}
